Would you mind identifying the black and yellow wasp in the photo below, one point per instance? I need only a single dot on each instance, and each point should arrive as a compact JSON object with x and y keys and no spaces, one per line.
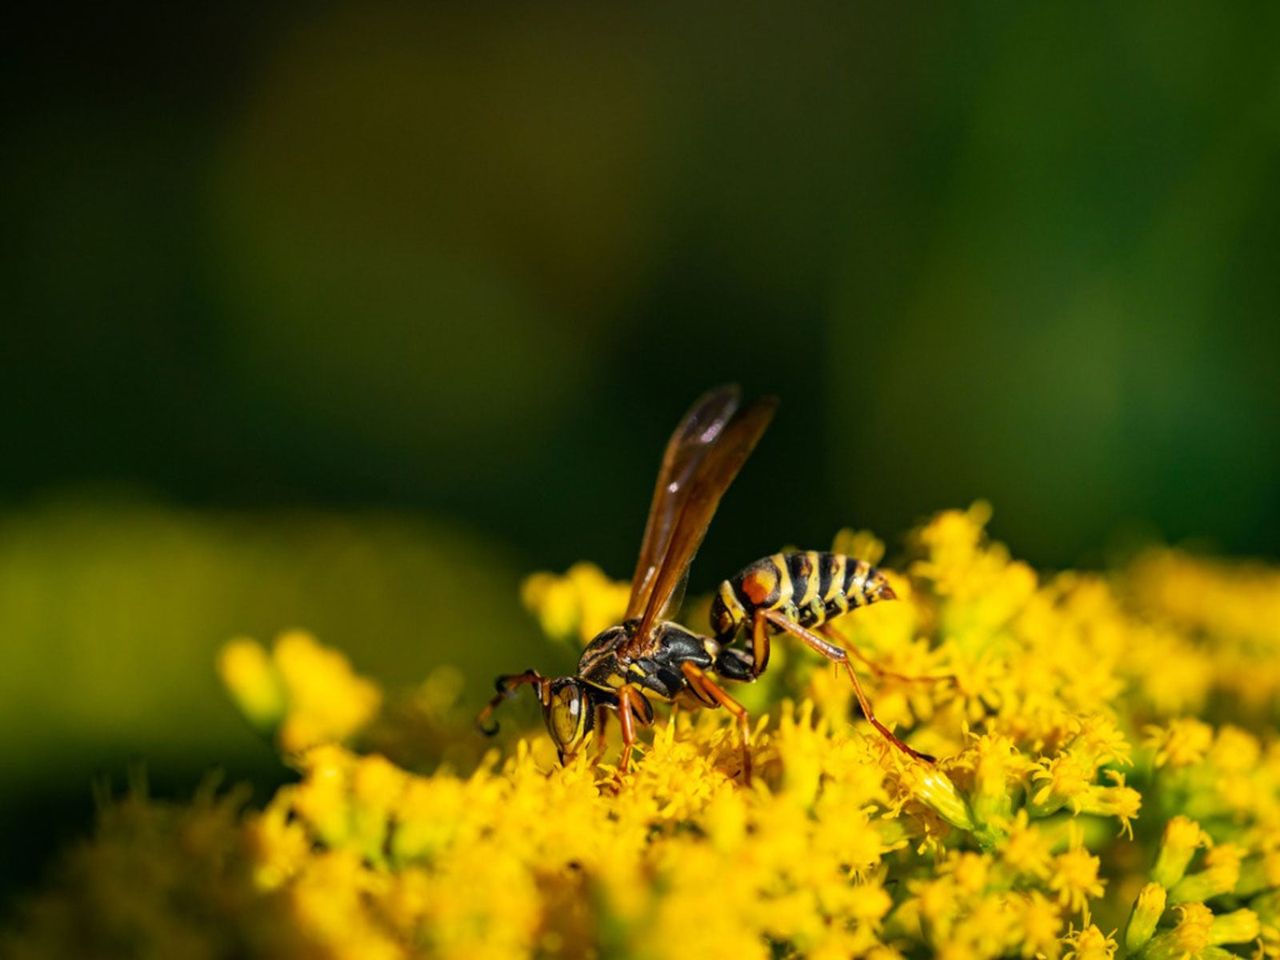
{"x":647,"y":655}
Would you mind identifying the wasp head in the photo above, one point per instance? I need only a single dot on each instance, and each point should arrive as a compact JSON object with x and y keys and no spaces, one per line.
{"x":568,"y":715}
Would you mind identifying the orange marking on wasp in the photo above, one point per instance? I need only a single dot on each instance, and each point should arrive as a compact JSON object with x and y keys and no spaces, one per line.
{"x":758,"y":586}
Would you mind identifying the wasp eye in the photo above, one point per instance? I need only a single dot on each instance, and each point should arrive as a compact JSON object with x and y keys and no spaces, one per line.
{"x":567,"y":717}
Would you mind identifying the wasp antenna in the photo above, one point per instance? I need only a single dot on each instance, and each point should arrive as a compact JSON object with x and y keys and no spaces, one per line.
{"x":483,"y":716}
{"x":506,"y":685}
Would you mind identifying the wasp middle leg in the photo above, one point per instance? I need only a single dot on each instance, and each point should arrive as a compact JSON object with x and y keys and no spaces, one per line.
{"x":707,"y":689}
{"x":836,"y":654}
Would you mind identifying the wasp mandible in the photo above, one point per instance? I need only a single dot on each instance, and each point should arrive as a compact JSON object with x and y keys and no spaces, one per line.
{"x":649,"y":656}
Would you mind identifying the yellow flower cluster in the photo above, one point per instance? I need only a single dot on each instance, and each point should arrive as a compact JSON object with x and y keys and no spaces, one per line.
{"x":1108,"y":785}
{"x":305,"y":693}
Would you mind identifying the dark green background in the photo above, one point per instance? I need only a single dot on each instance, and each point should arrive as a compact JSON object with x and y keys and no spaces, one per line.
{"x":346,"y":316}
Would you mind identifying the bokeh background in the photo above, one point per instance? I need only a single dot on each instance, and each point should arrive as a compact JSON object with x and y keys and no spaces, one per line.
{"x":345,"y":316}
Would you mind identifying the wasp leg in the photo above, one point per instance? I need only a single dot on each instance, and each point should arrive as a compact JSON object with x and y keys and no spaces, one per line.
{"x":705,"y":687}
{"x":633,"y":708}
{"x":602,"y":718}
{"x":838,"y":655}
{"x":827,"y":631}
{"x":759,"y":646}
{"x":507,"y":687}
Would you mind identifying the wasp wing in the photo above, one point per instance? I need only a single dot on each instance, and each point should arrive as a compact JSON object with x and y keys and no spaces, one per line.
{"x":693,"y":437}
{"x":715,"y":471}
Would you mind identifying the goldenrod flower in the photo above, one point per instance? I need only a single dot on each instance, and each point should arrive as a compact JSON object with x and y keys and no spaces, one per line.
{"x":307,"y":693}
{"x":1190,"y":937}
{"x":1063,"y":781}
{"x":1074,"y":877}
{"x":254,"y":682}
{"x":577,"y":605}
{"x":1117,"y":801}
{"x":1038,"y":815}
{"x":1027,"y":850}
{"x":1182,"y":743}
{"x":1090,"y":943}
{"x":998,"y":769}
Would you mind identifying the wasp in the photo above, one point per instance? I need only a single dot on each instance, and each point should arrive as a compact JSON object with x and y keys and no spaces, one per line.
{"x":648,"y":656}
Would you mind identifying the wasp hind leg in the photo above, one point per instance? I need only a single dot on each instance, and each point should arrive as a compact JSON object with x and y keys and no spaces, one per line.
{"x":707,"y":689}
{"x":874,"y":667}
{"x":836,"y":654}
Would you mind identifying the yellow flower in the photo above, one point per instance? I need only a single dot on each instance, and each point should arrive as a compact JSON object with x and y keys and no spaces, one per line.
{"x":1027,"y":850}
{"x":1116,"y":801}
{"x":308,"y":693}
{"x":1073,"y":875}
{"x":277,"y":844}
{"x":1064,"y":779}
{"x":997,"y":768}
{"x":1040,"y":923}
{"x":1189,"y":937}
{"x":1027,"y":689}
{"x":254,"y":682}
{"x":577,"y":605}
{"x":862,"y":544}
{"x":1090,"y":943}
{"x":1181,"y":744}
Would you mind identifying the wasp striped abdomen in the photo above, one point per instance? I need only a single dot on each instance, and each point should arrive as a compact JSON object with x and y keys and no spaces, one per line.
{"x":808,"y":588}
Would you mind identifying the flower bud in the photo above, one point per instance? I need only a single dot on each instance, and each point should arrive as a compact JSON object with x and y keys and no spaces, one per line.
{"x":1239,"y":926}
{"x":253,"y":682}
{"x":1182,"y":836}
{"x":934,"y":788}
{"x":1267,"y":907}
{"x":1258,"y":874}
{"x":1220,"y":874}
{"x":1188,"y":939}
{"x":1147,"y":910}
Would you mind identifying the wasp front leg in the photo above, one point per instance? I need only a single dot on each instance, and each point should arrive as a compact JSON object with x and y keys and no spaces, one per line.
{"x":602,"y":718}
{"x":633,"y":709}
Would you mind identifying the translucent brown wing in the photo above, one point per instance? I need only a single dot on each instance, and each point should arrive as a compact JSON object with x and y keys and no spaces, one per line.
{"x":693,"y":437}
{"x":715,"y":471}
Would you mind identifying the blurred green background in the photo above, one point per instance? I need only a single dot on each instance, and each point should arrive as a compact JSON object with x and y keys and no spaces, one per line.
{"x":346,"y":315}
